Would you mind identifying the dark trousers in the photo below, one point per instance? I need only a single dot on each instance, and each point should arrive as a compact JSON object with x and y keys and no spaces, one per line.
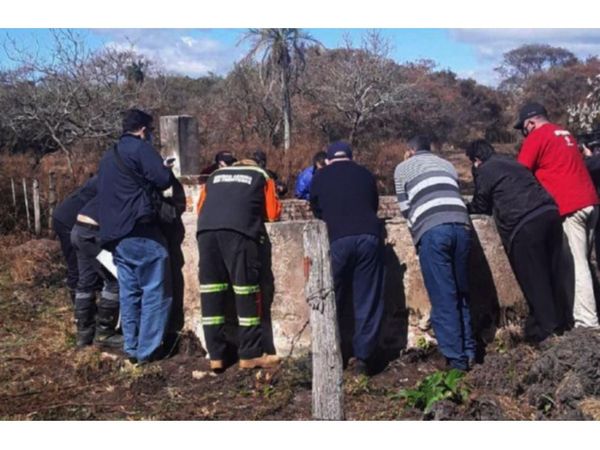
{"x":84,"y":240}
{"x":444,"y":256}
{"x":535,"y":256}
{"x":358,"y":273}
{"x":64,"y":236}
{"x":230,"y":260}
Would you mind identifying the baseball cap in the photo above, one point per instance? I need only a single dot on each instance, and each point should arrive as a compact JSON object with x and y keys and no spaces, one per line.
{"x":339,"y":149}
{"x":529,"y":110}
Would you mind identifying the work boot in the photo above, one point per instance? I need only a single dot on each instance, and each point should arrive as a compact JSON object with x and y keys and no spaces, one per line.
{"x":106,"y":322}
{"x":84,"y":320}
{"x":265,"y":361}
{"x":360,"y":368}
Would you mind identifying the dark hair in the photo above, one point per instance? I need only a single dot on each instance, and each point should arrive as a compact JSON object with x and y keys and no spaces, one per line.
{"x":135,"y":119}
{"x":225,"y":156}
{"x":319,"y":158}
{"x":420,"y":142}
{"x":479,"y":149}
{"x":260,"y":157}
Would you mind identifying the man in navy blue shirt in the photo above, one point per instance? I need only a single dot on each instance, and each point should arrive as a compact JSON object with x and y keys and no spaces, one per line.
{"x":129,"y":227}
{"x":305,"y":177}
{"x":344,"y":195}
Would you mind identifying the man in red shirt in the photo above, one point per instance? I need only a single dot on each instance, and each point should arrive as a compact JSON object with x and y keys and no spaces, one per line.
{"x":551,"y":153}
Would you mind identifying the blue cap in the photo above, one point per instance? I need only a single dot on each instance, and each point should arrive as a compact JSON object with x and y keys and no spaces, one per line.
{"x":339,"y":149}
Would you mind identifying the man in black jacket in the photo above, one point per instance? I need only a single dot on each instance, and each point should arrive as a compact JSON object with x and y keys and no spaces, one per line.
{"x":530,"y":229}
{"x":344,"y":195}
{"x":96,"y":321}
{"x":63,"y":220}
{"x":591,"y":153}
{"x":129,"y":226}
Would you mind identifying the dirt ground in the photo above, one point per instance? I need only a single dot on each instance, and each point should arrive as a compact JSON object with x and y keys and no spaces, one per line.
{"x":44,"y":377}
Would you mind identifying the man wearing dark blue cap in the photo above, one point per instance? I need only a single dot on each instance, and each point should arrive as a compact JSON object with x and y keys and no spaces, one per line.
{"x":344,"y":195}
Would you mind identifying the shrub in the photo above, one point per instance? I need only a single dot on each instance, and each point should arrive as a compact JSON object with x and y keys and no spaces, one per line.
{"x":441,"y":385}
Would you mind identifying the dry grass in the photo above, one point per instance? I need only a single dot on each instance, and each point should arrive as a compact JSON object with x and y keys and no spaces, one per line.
{"x":591,"y":407}
{"x":35,"y":261}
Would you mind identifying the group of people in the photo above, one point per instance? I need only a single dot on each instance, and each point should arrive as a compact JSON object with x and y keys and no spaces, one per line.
{"x":544,"y":203}
{"x":116,"y":210}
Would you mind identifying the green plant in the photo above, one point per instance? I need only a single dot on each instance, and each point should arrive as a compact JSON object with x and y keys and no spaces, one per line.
{"x":358,"y":385}
{"x":268,"y":391}
{"x":546,"y":403}
{"x":441,"y":385}
{"x":422,"y":343}
{"x":501,"y":345}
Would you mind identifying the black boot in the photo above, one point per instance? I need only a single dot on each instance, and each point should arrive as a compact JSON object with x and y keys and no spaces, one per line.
{"x":106,"y":322}
{"x":85,"y":310}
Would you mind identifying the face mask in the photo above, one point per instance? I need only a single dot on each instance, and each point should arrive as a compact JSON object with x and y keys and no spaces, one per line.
{"x":148,"y":137}
{"x":525,"y":131}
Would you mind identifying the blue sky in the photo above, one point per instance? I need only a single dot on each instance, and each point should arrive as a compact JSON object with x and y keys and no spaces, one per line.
{"x":195,"y":52}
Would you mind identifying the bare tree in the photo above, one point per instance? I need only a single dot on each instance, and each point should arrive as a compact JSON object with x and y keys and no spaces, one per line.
{"x":73,"y":95}
{"x":358,"y":82}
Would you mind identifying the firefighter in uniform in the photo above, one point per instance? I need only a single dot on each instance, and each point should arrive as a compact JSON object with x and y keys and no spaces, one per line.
{"x":232,"y":209}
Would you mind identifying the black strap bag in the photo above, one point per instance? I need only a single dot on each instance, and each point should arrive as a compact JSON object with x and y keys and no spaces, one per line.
{"x":166,"y":212}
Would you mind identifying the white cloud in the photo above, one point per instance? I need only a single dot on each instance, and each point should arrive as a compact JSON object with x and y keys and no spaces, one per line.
{"x":491,"y":43}
{"x":177,"y":50}
{"x":485,"y":75}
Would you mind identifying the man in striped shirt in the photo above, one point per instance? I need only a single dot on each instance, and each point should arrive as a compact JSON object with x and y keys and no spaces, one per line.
{"x":429,"y":197}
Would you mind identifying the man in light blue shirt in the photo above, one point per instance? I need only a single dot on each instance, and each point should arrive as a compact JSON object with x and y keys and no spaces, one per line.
{"x":305,"y":178}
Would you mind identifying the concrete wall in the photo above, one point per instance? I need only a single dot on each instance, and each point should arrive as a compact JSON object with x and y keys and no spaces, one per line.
{"x":495,"y":293}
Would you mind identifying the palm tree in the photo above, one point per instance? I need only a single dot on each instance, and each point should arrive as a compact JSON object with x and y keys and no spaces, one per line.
{"x":282,"y":53}
{"x":135,"y":72}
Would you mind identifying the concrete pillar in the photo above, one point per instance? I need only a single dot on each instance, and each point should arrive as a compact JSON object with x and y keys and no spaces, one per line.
{"x":179,"y":139}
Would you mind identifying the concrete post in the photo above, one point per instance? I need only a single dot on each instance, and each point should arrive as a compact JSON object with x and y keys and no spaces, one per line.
{"x":179,"y":139}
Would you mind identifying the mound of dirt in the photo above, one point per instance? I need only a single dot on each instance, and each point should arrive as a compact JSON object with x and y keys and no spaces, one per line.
{"x":558,"y":380}
{"x":36,"y":261}
{"x":567,"y":372}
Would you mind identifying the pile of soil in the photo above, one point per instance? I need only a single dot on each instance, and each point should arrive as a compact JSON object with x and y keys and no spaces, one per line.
{"x":559,"y":380}
{"x":565,"y":374}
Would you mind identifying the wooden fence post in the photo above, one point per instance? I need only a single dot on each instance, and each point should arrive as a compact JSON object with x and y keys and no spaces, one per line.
{"x":327,"y":376}
{"x":14,"y":195}
{"x":37,"y":218}
{"x":51,"y":198}
{"x":26,"y":203}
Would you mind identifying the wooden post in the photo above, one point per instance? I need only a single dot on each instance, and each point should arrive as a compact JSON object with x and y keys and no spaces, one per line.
{"x":37,"y":219}
{"x":26,"y":203}
{"x":327,"y":376}
{"x":51,"y":198}
{"x":14,"y":195}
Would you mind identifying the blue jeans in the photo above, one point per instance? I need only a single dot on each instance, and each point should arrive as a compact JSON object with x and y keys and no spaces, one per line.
{"x":358,"y":273}
{"x":145,"y":291}
{"x":444,"y":255}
